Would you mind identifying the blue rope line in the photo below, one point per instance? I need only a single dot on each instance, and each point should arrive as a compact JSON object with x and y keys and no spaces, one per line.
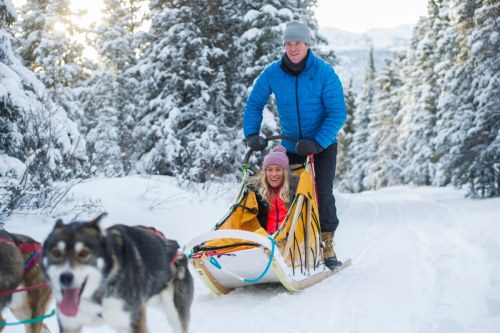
{"x":214,"y":262}
{"x":217,"y":265}
{"x":268,"y":264}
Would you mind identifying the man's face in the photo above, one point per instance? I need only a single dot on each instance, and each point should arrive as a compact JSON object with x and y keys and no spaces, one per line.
{"x":296,"y":51}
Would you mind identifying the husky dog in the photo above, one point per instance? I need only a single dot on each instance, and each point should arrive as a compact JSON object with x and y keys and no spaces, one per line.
{"x":111,"y":275}
{"x":15,"y":253}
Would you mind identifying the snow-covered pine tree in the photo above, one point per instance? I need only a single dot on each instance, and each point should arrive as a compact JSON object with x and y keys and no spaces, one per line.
{"x":456,"y":102}
{"x":101,"y":124}
{"x":478,"y":161}
{"x":12,"y":102}
{"x":216,"y":148}
{"x":108,"y":96}
{"x":116,"y":41}
{"x":261,"y":40}
{"x":10,"y":112}
{"x":450,"y":152}
{"x":185,"y":128}
{"x":39,"y":144}
{"x":48,"y":46}
{"x":356,"y":176}
{"x":344,"y":157}
{"x":419,"y":113}
{"x":160,"y":91}
{"x":453,"y":101}
{"x":384,"y":126}
{"x":447,"y":94}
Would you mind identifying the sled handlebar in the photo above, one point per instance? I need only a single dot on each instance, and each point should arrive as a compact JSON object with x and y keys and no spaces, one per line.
{"x":269,"y":138}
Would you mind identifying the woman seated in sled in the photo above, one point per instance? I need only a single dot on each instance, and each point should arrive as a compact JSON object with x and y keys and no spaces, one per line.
{"x":275,"y":189}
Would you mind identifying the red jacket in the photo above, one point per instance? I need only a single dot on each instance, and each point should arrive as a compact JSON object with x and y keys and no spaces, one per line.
{"x":276,"y":214}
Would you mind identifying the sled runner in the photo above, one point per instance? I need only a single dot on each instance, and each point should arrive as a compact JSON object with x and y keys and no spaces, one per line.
{"x":239,"y":252}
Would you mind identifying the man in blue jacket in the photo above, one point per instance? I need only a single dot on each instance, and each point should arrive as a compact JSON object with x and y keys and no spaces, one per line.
{"x":311,"y":109}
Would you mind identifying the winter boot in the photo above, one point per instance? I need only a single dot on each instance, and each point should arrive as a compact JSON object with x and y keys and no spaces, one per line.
{"x":331,"y":260}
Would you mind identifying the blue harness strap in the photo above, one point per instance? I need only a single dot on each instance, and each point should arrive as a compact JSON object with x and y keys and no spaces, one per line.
{"x":34,"y":256}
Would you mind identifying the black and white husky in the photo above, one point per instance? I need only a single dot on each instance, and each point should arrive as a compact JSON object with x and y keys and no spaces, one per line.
{"x":111,"y":275}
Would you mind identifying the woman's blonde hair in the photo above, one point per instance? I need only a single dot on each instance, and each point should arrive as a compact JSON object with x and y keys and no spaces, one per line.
{"x":260,"y":183}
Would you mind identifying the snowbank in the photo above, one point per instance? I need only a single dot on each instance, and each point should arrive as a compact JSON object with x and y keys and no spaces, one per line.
{"x":424,"y":259}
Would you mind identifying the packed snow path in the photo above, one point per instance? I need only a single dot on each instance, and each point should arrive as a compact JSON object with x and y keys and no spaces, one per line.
{"x":424,"y":260}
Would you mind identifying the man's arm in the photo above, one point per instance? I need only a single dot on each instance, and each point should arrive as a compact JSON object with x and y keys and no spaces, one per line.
{"x":258,"y":98}
{"x":333,"y":100}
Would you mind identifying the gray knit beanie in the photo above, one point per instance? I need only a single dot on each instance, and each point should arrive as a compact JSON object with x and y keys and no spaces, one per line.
{"x":297,"y":31}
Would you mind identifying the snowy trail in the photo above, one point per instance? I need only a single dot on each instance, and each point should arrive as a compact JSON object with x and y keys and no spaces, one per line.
{"x":424,"y":260}
{"x":411,"y":266}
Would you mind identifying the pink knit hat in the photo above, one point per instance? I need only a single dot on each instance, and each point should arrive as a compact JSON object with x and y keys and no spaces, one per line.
{"x":276,"y":157}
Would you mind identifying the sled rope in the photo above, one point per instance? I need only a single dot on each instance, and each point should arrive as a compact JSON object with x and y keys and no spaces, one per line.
{"x":268,"y":264}
{"x":38,"y":286}
{"x":217,"y":265}
{"x":29,"y":321}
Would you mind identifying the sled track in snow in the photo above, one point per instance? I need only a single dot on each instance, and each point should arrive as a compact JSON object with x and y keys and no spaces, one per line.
{"x":385,"y":231}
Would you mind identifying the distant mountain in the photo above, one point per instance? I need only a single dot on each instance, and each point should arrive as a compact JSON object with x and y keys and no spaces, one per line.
{"x":340,"y":40}
{"x":396,"y":39}
{"x":352,"y":49}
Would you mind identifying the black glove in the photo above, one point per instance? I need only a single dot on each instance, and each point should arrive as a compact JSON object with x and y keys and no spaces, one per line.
{"x":306,"y":147}
{"x":256,"y":142}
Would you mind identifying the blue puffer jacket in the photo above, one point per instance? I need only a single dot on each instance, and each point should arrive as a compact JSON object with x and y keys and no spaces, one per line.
{"x":310,"y":105}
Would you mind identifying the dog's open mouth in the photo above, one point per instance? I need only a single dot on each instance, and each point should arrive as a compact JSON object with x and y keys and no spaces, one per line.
{"x":70,"y":300}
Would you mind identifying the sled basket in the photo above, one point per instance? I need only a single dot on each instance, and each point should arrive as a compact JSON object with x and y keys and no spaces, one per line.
{"x":239,"y":252}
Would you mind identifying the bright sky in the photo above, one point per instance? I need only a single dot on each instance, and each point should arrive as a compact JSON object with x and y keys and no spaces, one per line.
{"x":362,"y":15}
{"x":349,"y":15}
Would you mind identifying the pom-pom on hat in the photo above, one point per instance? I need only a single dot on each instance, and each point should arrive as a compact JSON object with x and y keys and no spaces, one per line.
{"x":276,"y":157}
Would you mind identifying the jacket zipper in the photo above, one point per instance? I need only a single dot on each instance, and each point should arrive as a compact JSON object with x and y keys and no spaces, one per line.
{"x":297,"y":104}
{"x":277,"y":211}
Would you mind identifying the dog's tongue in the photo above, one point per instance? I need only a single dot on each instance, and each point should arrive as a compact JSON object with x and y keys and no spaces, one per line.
{"x":69,"y":303}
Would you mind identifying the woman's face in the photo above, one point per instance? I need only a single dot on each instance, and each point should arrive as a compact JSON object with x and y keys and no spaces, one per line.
{"x":274,"y":175}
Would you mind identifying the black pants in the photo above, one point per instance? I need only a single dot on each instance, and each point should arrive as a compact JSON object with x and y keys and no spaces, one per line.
{"x":324,"y":165}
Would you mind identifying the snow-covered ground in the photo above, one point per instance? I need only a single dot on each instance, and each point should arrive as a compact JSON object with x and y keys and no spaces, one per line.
{"x":424,"y":260}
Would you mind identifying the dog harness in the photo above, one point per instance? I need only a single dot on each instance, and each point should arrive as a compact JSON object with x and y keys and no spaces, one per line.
{"x":34,"y":248}
{"x":151,"y":231}
{"x":159,"y":234}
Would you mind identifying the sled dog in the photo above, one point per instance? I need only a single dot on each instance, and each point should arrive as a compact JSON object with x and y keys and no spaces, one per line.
{"x":111,"y":275}
{"x":20,"y":267}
